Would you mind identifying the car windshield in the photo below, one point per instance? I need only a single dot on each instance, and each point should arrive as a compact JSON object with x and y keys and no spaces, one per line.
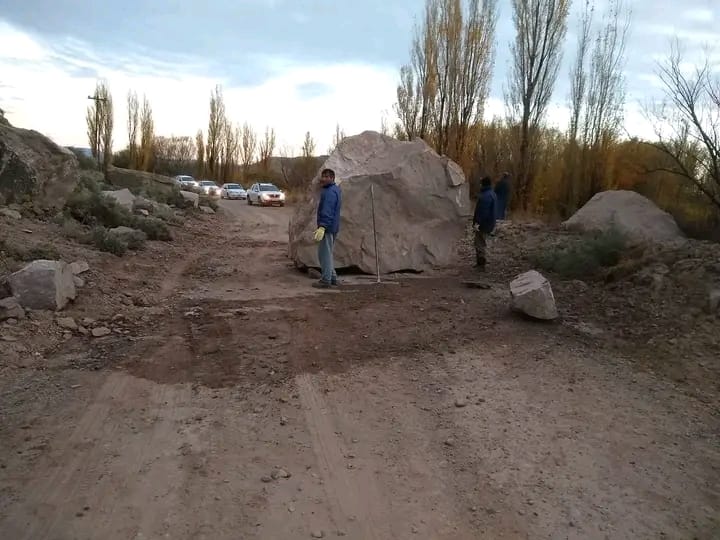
{"x":233,"y":186}
{"x":185,"y":178}
{"x":268,"y":187}
{"x":207,"y":183}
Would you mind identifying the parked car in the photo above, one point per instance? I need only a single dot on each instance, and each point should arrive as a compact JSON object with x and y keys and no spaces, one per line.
{"x":233,"y":191}
{"x":265,"y":195}
{"x":208,"y":187}
{"x":185,"y":181}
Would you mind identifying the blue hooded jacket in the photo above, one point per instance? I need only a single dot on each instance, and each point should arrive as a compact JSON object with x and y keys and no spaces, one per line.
{"x":485,"y":211}
{"x":328,"y":212}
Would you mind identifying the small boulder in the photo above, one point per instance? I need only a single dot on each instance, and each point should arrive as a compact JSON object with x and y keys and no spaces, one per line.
{"x":101,"y":331}
{"x":43,"y":284}
{"x":142,"y":212}
{"x":67,"y":322}
{"x":123,"y":197}
{"x":79,"y":282}
{"x":531,"y":294}
{"x":10,"y":308}
{"x":141,"y":203}
{"x":79,"y":267}
{"x":207,"y":210}
{"x":191,"y":197}
{"x":10,"y":213}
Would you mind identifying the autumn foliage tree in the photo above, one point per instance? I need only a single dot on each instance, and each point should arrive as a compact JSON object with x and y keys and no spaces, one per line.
{"x":215,"y":132}
{"x":540,"y":27}
{"x":266,"y":147}
{"x":248,"y":147}
{"x":133,"y":123}
{"x":99,"y":120}
{"x":147,"y":137}
{"x":443,"y":90}
{"x":200,"y":154}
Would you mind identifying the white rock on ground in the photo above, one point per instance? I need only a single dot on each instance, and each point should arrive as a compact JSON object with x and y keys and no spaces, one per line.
{"x":10,"y":308}
{"x":194,"y":198}
{"x":421,"y":206}
{"x":531,"y":294}
{"x":123,"y":197}
{"x":43,"y":284}
{"x":631,"y":214}
{"x":207,"y":210}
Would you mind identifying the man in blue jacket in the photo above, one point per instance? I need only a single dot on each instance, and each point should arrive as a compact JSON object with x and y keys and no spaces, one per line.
{"x":484,"y":220}
{"x":328,"y":226}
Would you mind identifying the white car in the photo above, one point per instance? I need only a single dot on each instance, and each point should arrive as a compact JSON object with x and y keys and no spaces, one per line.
{"x":208,"y":187}
{"x":185,"y":181}
{"x":265,"y":195}
{"x":233,"y":191}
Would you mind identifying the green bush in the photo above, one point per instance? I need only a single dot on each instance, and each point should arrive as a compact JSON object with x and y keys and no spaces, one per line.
{"x":104,"y":240}
{"x":167,"y":214}
{"x":584,"y":256}
{"x":73,"y":230}
{"x":154,"y":228}
{"x":90,"y":207}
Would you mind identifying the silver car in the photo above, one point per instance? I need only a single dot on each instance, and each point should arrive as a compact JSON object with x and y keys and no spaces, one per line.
{"x":208,"y":187}
{"x":185,"y":181}
{"x":265,"y":194}
{"x":233,"y":191}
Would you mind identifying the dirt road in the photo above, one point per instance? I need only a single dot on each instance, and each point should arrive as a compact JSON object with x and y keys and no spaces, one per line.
{"x":244,"y":404}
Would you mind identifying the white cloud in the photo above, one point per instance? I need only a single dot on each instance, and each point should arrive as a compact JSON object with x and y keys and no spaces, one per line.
{"x":54,"y":81}
{"x":702,"y":15}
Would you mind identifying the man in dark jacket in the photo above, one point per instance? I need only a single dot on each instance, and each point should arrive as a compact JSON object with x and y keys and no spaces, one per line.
{"x":502,"y":192}
{"x":328,"y":226}
{"x":484,"y":219}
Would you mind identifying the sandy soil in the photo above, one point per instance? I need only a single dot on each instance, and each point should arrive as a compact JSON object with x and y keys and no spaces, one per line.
{"x":233,"y":401}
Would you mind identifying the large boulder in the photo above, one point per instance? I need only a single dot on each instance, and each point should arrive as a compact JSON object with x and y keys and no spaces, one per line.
{"x":531,"y":294}
{"x":139,"y":180}
{"x":122,"y":197}
{"x":43,"y":284}
{"x":192,"y":198}
{"x":421,"y":206}
{"x":628,"y":212}
{"x":34,"y":168}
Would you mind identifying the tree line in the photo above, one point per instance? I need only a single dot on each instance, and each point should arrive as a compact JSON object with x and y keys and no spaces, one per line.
{"x":224,"y":152}
{"x":444,"y":87}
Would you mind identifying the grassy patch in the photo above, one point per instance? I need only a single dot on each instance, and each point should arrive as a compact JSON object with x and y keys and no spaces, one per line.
{"x":585,"y":256}
{"x":9,"y":250}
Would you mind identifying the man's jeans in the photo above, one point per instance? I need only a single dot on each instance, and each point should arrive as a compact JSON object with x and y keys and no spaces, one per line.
{"x":325,"y":254}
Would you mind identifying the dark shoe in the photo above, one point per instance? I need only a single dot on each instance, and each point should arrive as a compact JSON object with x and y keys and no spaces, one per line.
{"x":321,"y":285}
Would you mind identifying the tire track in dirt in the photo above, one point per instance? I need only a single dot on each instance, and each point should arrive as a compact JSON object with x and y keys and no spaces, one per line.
{"x":356,"y":503}
{"x":47,"y":497}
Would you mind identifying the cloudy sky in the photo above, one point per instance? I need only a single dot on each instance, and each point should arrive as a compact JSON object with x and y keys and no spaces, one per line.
{"x":295,"y":65}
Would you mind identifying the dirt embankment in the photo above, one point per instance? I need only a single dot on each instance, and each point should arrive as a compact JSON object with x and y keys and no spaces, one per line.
{"x":231,"y":400}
